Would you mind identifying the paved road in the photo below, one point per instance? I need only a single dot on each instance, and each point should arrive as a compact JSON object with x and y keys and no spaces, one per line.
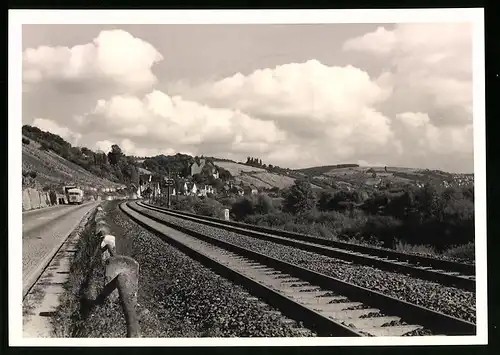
{"x":43,"y":233}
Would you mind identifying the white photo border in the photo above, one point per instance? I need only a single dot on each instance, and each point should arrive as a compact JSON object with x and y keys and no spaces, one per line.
{"x":19,"y":17}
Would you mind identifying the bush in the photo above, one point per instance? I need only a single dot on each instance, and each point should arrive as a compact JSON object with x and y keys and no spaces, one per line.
{"x":325,"y":232}
{"x":298,"y":228}
{"x":44,"y":146}
{"x":385,"y":228}
{"x":275,"y":220}
{"x":209,"y":207}
{"x":242,"y":208}
{"x":464,"y":252}
{"x":227,"y":201}
{"x":263,"y":204}
{"x":278,"y":203}
{"x":26,"y":141}
{"x":404,"y":247}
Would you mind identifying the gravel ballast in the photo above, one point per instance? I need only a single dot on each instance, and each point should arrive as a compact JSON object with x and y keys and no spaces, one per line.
{"x":449,"y":300}
{"x":185,"y":299}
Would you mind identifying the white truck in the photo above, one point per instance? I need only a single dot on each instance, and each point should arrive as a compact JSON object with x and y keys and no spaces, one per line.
{"x":73,"y":194}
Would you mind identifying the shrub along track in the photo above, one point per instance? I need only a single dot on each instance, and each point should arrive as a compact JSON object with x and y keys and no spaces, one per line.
{"x":442,"y":271}
{"x":325,"y":304}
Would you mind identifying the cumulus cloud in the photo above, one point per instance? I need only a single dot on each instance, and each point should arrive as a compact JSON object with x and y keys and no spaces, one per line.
{"x":51,"y":126}
{"x":430,"y":68}
{"x":104,"y":145}
{"x":113,"y":58}
{"x":381,"y":41}
{"x":167,"y":124}
{"x":426,"y":138}
{"x":310,"y":102}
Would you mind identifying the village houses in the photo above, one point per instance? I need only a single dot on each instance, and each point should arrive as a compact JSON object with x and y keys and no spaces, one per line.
{"x":191,"y":189}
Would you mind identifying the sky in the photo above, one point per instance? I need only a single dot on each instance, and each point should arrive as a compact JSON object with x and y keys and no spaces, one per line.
{"x":292,"y":95}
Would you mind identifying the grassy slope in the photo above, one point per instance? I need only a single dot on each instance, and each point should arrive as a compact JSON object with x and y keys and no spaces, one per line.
{"x":258,"y":177}
{"x":53,"y":169}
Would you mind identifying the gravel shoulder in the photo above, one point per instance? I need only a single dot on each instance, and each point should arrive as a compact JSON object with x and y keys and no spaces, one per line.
{"x":449,"y":300}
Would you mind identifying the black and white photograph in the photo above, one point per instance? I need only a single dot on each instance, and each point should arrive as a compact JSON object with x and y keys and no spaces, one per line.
{"x":247,"y":178}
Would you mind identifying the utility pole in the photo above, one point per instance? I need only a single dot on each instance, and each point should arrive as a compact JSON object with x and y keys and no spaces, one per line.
{"x":168,"y":189}
{"x":170,"y":182}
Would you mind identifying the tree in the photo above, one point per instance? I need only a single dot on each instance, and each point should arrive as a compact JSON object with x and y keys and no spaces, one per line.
{"x":115,"y":154}
{"x":198,"y":178}
{"x":218,"y":184}
{"x":134,"y":175}
{"x":147,"y":192}
{"x":224,"y":174}
{"x":207,"y":169}
{"x":264,"y":204}
{"x":260,"y":162}
{"x":300,"y":198}
{"x":324,"y":201}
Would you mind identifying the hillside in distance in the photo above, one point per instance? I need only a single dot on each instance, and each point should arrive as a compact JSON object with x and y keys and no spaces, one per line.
{"x":355,"y":175}
{"x":258,"y":177}
{"x":55,"y":162}
{"x":53,"y":170}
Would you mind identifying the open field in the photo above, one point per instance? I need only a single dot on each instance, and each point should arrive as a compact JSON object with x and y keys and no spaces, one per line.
{"x":236,"y":169}
{"x":258,"y":177}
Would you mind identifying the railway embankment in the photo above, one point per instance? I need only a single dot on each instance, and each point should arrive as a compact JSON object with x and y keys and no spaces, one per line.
{"x":177,"y":296}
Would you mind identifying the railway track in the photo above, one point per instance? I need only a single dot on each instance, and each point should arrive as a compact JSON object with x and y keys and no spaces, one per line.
{"x":329,"y":306}
{"x":441,"y":271}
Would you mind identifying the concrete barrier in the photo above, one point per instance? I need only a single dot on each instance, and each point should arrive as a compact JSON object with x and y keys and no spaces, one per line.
{"x":26,"y":200}
{"x":33,"y":199}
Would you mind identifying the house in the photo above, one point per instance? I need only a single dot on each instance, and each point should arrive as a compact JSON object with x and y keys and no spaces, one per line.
{"x":144,"y":178}
{"x":197,"y":167}
{"x":250,"y":190}
{"x":207,"y":189}
{"x":239,"y":190}
{"x":190,"y":188}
